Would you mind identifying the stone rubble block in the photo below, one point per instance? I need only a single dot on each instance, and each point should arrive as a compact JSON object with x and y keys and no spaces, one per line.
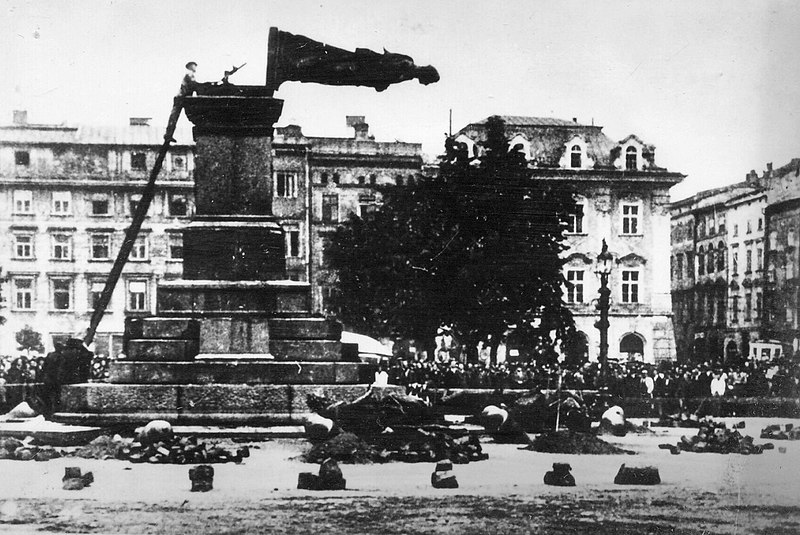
{"x":630,"y":475}
{"x":560,"y":476}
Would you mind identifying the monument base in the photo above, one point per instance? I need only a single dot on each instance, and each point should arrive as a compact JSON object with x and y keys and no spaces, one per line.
{"x":210,"y":404}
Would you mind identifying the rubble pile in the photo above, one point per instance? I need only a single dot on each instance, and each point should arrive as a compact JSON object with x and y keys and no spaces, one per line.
{"x":410,"y":445}
{"x":715,"y":437}
{"x":187,"y":450}
{"x":74,"y":480}
{"x":18,"y":450}
{"x":330,"y":478}
{"x":567,"y":441}
{"x":774,"y":432}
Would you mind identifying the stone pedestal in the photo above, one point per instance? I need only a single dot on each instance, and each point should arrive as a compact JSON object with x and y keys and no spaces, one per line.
{"x":234,"y":341}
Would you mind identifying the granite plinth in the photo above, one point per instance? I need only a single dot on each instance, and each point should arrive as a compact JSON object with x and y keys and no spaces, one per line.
{"x":159,"y":328}
{"x":195,"y":298}
{"x":213,"y":404}
{"x":229,"y":371}
{"x":233,"y":248}
{"x":161,"y":349}
{"x":235,"y":335}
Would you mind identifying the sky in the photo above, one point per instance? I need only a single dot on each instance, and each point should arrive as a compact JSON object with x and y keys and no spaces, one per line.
{"x":714,"y":85}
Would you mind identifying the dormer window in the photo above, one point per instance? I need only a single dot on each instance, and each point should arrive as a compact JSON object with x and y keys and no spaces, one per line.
{"x":631,"y":157}
{"x":575,"y":157}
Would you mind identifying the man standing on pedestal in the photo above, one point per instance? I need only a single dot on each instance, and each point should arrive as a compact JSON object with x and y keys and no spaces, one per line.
{"x":188,"y":87}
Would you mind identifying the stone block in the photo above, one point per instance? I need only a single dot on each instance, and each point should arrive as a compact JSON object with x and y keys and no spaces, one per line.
{"x":444,"y":480}
{"x":306,"y":350}
{"x":215,"y":335}
{"x":259,"y":335}
{"x":172,"y":328}
{"x":162,"y":350}
{"x":305,"y":329}
{"x":105,"y":397}
{"x":559,"y":476}
{"x":629,"y":475}
{"x":307,"y":481}
{"x":219,"y":398}
{"x":202,"y":478}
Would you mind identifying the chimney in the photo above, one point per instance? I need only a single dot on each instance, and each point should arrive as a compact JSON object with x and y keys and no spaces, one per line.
{"x":769,"y":168}
{"x":20,"y":117}
{"x":575,"y":120}
{"x":360,"y":126}
{"x":140,"y":121}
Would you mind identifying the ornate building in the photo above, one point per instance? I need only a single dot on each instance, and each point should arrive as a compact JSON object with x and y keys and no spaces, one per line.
{"x":68,"y":193}
{"x":623,"y":198}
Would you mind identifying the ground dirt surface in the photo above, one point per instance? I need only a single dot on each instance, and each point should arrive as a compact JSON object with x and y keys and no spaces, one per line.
{"x":700,"y":493}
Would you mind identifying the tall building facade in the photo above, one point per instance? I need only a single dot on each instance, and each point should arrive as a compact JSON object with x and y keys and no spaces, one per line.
{"x":733,"y":261}
{"x":68,"y":194}
{"x":623,"y":199}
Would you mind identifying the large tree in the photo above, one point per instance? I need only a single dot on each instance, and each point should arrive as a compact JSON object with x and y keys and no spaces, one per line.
{"x":476,"y":246}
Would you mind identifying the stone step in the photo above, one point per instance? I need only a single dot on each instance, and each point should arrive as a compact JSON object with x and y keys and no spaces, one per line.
{"x":237,"y":371}
{"x":161,"y":350}
{"x":299,"y":328}
{"x":106,"y":403}
{"x":308,"y":350}
{"x":171,"y":328}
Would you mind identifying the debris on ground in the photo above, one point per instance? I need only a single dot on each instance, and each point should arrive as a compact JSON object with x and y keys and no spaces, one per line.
{"x":404,"y":444}
{"x":25,"y":450}
{"x":22,"y":410}
{"x":202,"y":478}
{"x":330,"y":478}
{"x":613,"y":422}
{"x":679,"y":420}
{"x":74,"y":480}
{"x":539,"y":411}
{"x":560,"y":476}
{"x":187,"y":450}
{"x":713,"y":437}
{"x":443,"y":477}
{"x":774,"y":432}
{"x":372,"y":413}
{"x":631,"y":475}
{"x":568,"y":442}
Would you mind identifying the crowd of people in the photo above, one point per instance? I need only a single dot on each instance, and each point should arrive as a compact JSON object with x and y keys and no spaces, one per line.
{"x":26,"y":369}
{"x":778,"y":378}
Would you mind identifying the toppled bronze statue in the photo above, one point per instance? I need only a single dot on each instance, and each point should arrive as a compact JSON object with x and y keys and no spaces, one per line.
{"x":297,"y":58}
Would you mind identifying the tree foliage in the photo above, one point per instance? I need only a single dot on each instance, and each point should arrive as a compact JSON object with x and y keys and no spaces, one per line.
{"x":29,"y":340}
{"x":477,"y":247}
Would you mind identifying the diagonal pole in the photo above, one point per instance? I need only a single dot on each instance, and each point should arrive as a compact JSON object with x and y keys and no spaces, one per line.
{"x":130,"y":235}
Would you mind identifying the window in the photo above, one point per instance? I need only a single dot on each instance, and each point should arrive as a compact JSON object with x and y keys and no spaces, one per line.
{"x":630,"y":286}
{"x":293,"y":243}
{"x":631,"y":158}
{"x":22,"y":157}
{"x":285,"y":184}
{"x":759,"y":304}
{"x":178,"y":162}
{"x":680,"y":266}
{"x":735,"y":309}
{"x":23,"y":294}
{"x":721,"y":253}
{"x":630,"y":218}
{"x":575,"y":220}
{"x":23,"y":202}
{"x":175,"y":246}
{"x":373,"y":179}
{"x":62,"y":294}
{"x":138,"y":161}
{"x":133,"y":203}
{"x":759,"y":259}
{"x":95,"y":291}
{"x":100,"y":206}
{"x":574,"y":286}
{"x":398,"y":180}
{"x":23,"y":245}
{"x":735,"y":262}
{"x":748,"y":304}
{"x":139,"y":250}
{"x":701,"y":261}
{"x":336,"y":178}
{"x":137,"y":296}
{"x":366,"y":205}
{"x":748,"y":261}
{"x":736,"y":229}
{"x":62,"y":247}
{"x":749,"y":226}
{"x":575,"y":157}
{"x":324,"y":177}
{"x":710,"y":260}
{"x":721,"y":309}
{"x":101,"y":246}
{"x":361,"y":179}
{"x":760,"y":224}
{"x":62,"y":203}
{"x":330,"y":208}
{"x":178,"y":206}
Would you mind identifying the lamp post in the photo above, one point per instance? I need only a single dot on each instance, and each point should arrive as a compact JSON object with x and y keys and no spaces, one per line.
{"x":603,"y":270}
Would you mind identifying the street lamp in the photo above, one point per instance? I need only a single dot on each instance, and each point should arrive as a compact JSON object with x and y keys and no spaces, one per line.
{"x":603,"y":270}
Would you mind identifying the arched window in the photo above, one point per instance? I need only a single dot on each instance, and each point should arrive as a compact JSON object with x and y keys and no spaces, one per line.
{"x":632,"y":344}
{"x":324,"y":178}
{"x":631,"y":158}
{"x":575,"y":159}
{"x":721,"y":253}
{"x":701,"y":261}
{"x":373,"y":179}
{"x":336,"y":178}
{"x":398,"y":180}
{"x":710,"y":260}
